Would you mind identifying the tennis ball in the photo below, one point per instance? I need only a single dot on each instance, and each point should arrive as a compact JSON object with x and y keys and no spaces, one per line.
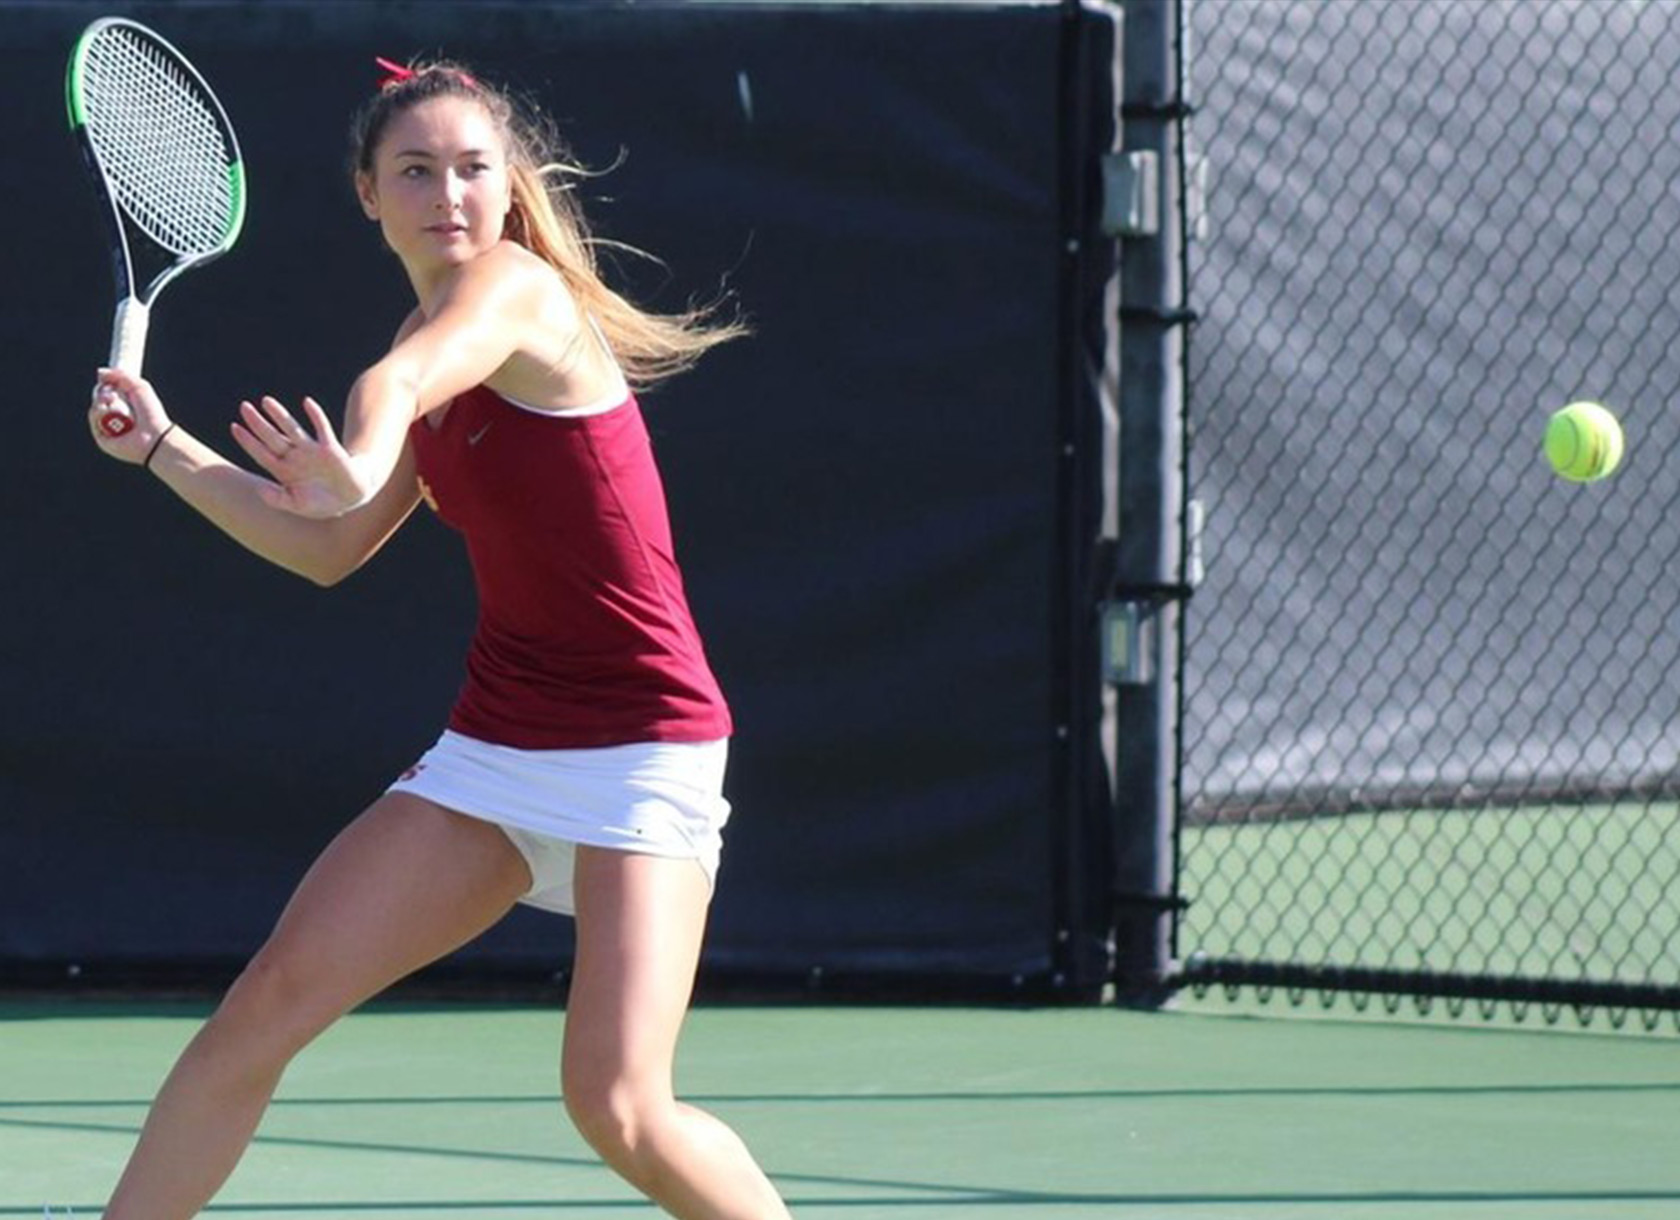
{"x":1583,"y":442}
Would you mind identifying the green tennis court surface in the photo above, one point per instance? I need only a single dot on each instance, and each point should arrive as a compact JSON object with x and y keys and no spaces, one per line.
{"x":1549,"y":891}
{"x":899,"y":1113}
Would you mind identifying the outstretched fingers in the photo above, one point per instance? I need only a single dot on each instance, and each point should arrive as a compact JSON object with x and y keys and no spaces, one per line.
{"x":283,"y":421}
{"x":270,"y":435}
{"x":248,"y":435}
{"x":318,"y":420}
{"x":313,"y":475}
{"x":268,"y":426}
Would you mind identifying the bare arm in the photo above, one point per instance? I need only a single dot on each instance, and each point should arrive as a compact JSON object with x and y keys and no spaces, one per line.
{"x":236,"y":501}
{"x":481,"y":318}
{"x":327,"y":507}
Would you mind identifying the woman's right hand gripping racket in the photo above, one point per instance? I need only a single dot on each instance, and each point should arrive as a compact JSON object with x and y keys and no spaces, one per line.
{"x":163,"y":157}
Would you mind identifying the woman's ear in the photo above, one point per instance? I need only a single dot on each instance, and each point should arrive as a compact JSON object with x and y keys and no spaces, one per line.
{"x":368,"y":196}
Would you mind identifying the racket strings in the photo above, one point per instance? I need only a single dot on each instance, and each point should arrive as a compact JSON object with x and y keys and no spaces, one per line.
{"x":160,"y":144}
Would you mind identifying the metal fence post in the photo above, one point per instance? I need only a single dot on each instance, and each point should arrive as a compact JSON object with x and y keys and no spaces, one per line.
{"x":1143,"y":615}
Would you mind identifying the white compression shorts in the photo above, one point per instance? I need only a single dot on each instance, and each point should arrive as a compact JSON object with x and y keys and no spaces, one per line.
{"x":656,"y":798}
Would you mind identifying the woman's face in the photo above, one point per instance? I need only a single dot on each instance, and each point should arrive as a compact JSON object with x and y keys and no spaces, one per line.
{"x":440,"y":188}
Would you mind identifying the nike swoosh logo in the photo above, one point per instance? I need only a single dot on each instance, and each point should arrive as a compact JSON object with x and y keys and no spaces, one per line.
{"x":474,"y":437}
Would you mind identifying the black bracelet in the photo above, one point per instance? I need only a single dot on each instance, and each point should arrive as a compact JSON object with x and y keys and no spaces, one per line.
{"x":152,"y":452}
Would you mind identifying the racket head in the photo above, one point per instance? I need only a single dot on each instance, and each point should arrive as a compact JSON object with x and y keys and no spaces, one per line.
{"x":160,"y":149}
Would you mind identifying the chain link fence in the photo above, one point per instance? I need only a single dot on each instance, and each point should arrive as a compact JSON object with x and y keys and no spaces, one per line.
{"x":1431,"y":747}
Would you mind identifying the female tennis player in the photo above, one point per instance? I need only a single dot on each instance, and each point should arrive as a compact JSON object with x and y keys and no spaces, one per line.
{"x":583,"y":762}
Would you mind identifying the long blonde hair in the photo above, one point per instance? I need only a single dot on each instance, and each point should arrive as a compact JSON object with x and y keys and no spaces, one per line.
{"x":547,"y":219}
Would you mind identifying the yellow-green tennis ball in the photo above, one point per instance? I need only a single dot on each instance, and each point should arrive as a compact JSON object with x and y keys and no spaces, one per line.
{"x":1583,"y":442}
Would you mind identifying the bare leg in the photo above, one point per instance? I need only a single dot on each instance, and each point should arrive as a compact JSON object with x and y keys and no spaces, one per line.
{"x":640,"y":920}
{"x":404,"y":884}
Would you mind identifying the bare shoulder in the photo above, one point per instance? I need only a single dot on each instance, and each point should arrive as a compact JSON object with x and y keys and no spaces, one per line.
{"x":510,"y":270}
{"x":513,"y":294}
{"x":555,"y":362}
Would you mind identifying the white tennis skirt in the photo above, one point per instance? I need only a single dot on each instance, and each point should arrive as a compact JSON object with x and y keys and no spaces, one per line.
{"x":656,"y":798}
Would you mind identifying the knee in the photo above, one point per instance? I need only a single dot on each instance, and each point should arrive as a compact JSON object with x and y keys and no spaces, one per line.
{"x":612,"y":1114}
{"x":604,"y":1116}
{"x":268,"y":1010}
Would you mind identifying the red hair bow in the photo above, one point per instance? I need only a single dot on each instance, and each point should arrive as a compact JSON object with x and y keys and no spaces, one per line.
{"x":395,"y":74}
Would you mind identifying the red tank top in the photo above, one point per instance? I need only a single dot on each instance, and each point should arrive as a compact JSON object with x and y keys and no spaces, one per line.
{"x":584,"y":635}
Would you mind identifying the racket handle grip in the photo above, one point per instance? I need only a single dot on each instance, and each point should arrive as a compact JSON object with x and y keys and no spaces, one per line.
{"x":128,"y":335}
{"x":128,"y":353}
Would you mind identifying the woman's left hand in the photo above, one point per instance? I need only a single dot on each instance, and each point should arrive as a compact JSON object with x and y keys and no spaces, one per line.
{"x":314,"y":476}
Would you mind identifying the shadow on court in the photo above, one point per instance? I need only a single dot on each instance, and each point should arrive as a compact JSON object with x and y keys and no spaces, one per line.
{"x":900,"y":1113}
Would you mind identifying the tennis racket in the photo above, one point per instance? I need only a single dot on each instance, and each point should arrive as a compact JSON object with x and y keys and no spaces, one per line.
{"x":164,"y":159}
